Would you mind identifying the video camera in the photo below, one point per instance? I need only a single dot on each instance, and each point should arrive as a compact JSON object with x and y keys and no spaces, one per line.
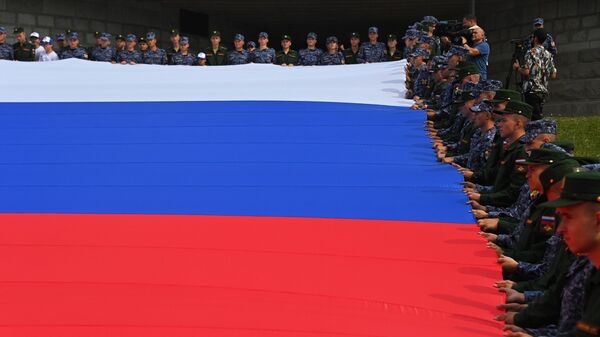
{"x":455,"y":31}
{"x":519,"y":49}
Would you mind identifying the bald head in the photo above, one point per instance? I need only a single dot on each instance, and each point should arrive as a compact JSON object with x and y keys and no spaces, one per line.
{"x":478,"y":34}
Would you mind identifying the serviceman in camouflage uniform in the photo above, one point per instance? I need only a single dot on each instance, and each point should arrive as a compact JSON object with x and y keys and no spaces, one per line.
{"x":549,"y":44}
{"x":420,"y":72}
{"x":441,"y":79}
{"x":184,"y":56}
{"x":425,"y":41}
{"x":216,"y":54}
{"x":263,"y":54}
{"x":527,"y":252}
{"x":579,"y":209}
{"x":332,"y":56}
{"x":130,"y":55}
{"x":456,"y":54}
{"x":486,"y":176}
{"x":372,"y":51}
{"x":311,"y":55}
{"x":175,"y":45}
{"x":104,"y":52}
{"x":6,"y":51}
{"x":286,"y":56}
{"x":239,"y":55}
{"x":482,"y":141}
{"x":22,"y":49}
{"x":153,"y":55}
{"x":570,"y":306}
{"x":60,"y":43}
{"x":90,"y":50}
{"x":120,"y":43}
{"x":73,"y":50}
{"x":410,"y":42}
{"x":351,"y":54}
{"x":250,"y":47}
{"x":392,"y":53}
{"x":429,"y":24}
{"x":143,"y":44}
{"x":509,"y":178}
{"x":508,"y":240}
{"x":503,"y":219}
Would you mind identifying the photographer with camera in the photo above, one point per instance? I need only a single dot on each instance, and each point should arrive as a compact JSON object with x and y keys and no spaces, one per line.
{"x":479,"y":52}
{"x":536,"y":70}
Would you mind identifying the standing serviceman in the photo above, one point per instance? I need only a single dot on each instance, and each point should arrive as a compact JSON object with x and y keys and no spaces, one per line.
{"x":549,"y":44}
{"x":239,"y":55}
{"x":392,"y":53}
{"x":263,"y":54}
{"x":130,"y":55}
{"x":373,"y":50}
{"x":104,"y":52}
{"x":286,"y":56}
{"x":154,"y":55}
{"x":216,"y":54}
{"x":332,"y":56}
{"x":175,"y":45}
{"x":6,"y":51}
{"x":311,"y":54}
{"x":73,"y":50}
{"x":120,"y":43}
{"x":184,"y":56}
{"x":22,"y":50}
{"x":351,"y":54}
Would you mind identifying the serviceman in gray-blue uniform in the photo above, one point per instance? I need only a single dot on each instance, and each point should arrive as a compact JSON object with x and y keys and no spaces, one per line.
{"x":6,"y":50}
{"x":549,"y":44}
{"x":73,"y":50}
{"x":410,"y":42}
{"x":238,"y":55}
{"x":421,"y":72}
{"x":429,"y":24}
{"x":60,"y":43}
{"x":482,"y":139}
{"x":154,"y":55}
{"x":332,"y":56}
{"x":263,"y":54}
{"x":104,"y":52}
{"x":184,"y":57}
{"x":311,"y":55}
{"x":130,"y":55}
{"x":250,"y":47}
{"x":372,"y":51}
{"x":425,"y":41}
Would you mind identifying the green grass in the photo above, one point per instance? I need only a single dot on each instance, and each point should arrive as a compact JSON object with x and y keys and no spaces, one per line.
{"x":583,"y":131}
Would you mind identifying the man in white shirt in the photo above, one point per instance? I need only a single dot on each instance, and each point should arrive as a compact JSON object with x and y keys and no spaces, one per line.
{"x":48,"y":54}
{"x":34,"y":38}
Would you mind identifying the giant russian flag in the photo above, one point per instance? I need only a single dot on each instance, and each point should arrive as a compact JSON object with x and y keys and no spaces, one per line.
{"x":233,"y":201}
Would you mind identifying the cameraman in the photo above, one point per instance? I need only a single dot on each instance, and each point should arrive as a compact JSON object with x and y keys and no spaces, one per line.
{"x":469,"y":21}
{"x":538,"y":67}
{"x":480,"y":51}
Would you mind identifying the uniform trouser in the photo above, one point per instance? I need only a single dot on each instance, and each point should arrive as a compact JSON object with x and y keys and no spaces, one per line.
{"x":536,"y":100}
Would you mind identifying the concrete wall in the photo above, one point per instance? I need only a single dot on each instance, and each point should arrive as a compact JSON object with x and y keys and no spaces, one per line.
{"x":49,"y":17}
{"x":575,"y":26}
